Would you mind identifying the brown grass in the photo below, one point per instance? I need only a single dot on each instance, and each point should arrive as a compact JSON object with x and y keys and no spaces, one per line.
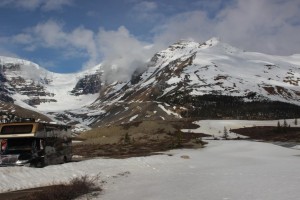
{"x":138,"y":131}
{"x":140,"y":139}
{"x":76,"y":187}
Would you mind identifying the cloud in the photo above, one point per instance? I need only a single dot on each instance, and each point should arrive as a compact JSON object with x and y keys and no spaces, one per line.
{"x":56,"y":4}
{"x":46,"y":5}
{"x":147,"y":6}
{"x":79,"y":42}
{"x":120,"y":51}
{"x":123,"y":54}
{"x":85,"y":39}
{"x":262,"y":25}
{"x":22,"y":38}
{"x":269,"y":26}
{"x":190,"y":25}
{"x":49,"y":34}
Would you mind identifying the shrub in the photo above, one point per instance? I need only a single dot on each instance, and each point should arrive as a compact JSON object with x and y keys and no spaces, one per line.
{"x":76,"y":187}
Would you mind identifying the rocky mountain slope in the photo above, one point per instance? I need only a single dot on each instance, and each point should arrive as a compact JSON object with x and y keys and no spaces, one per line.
{"x":212,"y":80}
{"x":188,"y":79}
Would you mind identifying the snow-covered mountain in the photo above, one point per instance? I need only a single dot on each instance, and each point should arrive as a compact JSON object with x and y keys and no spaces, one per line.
{"x":188,"y":79}
{"x":212,"y":80}
{"x":217,"y":68}
{"x":26,"y":84}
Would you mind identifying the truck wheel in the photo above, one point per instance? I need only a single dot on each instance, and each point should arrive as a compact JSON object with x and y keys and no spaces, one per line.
{"x":39,"y":163}
{"x":65,"y":159}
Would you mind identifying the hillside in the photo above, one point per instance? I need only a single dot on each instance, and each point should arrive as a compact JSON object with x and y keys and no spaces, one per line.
{"x":210,"y":80}
{"x":186,"y":80}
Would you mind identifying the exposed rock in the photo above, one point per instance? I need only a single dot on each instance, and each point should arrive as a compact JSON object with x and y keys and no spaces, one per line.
{"x":90,"y":84}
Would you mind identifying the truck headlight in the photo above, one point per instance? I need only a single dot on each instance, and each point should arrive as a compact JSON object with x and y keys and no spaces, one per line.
{"x":21,"y":162}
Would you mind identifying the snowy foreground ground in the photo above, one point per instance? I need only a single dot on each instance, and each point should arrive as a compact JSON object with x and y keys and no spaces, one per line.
{"x":224,"y":170}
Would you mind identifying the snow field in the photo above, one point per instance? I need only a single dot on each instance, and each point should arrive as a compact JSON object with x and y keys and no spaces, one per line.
{"x":235,"y":170}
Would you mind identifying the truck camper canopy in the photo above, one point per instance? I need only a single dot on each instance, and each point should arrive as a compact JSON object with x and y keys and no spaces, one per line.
{"x":33,"y":129}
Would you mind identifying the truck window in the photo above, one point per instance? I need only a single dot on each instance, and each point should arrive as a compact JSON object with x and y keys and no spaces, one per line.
{"x":17,"y":129}
{"x":19,"y":144}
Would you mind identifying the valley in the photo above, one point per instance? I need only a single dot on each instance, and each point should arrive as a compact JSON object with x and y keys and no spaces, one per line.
{"x":207,"y":111}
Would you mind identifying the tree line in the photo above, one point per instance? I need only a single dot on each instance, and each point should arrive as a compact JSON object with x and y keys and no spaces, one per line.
{"x":231,"y":107}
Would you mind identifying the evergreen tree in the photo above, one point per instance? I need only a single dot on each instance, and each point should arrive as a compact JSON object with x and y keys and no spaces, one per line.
{"x":278,"y":124}
{"x":225,"y":136}
{"x":285,"y":126}
{"x":285,"y":123}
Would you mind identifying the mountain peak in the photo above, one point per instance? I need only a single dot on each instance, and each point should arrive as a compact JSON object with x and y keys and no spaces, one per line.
{"x":18,"y":64}
{"x":181,"y":44}
{"x":5,"y":59}
{"x":220,"y":46}
{"x":213,"y":41}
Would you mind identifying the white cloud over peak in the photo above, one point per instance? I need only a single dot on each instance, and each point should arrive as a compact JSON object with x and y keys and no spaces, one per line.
{"x":190,"y":25}
{"x":123,"y":54}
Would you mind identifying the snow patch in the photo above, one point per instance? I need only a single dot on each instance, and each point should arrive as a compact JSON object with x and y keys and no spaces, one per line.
{"x":169,"y":112}
{"x":133,"y":118}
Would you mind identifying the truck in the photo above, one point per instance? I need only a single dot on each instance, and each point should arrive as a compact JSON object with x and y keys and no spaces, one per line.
{"x":34,"y":144}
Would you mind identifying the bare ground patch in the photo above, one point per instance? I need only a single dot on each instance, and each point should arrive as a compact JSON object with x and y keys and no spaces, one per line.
{"x":137,"y":139}
{"x":271,"y":133}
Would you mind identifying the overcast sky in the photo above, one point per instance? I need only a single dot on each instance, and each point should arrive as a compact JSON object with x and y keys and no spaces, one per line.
{"x":69,"y":35}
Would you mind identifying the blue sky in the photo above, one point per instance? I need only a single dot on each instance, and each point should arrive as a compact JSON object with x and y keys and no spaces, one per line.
{"x":70,"y":35}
